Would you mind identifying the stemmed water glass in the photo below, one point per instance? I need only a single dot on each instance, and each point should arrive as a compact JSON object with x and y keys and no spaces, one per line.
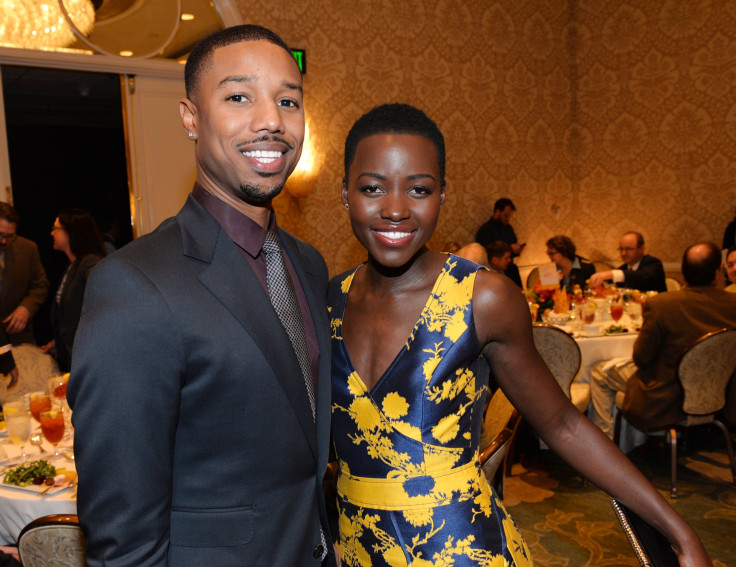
{"x":18,"y":423}
{"x":617,"y":309}
{"x":57,"y":392}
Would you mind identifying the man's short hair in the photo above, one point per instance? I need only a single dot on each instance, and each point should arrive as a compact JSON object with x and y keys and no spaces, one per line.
{"x":396,"y":118}
{"x":701,"y":269}
{"x":639,"y":237}
{"x":497,"y":249}
{"x":8,"y":212}
{"x":502,"y":203}
{"x":201,"y":56}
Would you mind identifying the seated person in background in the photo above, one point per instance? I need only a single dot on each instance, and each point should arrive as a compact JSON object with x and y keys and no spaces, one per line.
{"x":573,"y":269}
{"x":672,"y":320}
{"x":639,"y":271}
{"x":499,"y":256}
{"x":731,"y":268}
{"x":474,"y":252}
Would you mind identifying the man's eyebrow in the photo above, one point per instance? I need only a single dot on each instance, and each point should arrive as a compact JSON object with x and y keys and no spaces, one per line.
{"x":254,"y":79}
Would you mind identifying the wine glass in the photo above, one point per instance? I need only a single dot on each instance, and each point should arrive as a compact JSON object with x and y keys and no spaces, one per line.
{"x":18,"y":423}
{"x":38,"y":402}
{"x":52,"y":427}
{"x":633,"y":308}
{"x":617,"y":309}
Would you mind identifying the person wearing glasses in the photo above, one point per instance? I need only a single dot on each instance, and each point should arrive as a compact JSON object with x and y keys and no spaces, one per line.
{"x":639,"y":270}
{"x":23,"y":281}
{"x":573,"y":268}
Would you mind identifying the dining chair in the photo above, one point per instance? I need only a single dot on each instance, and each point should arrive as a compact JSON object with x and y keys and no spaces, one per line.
{"x":562,"y":356}
{"x":500,"y":423}
{"x":704,"y":370}
{"x":35,"y":369}
{"x":532,"y":277}
{"x":672,"y":284}
{"x":56,"y":539}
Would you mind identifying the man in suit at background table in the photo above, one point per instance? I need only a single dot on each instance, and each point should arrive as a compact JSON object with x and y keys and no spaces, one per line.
{"x":23,"y":281}
{"x":672,"y":321}
{"x":195,"y":437}
{"x":639,"y":271}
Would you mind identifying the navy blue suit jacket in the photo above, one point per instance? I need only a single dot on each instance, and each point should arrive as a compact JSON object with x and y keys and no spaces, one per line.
{"x":194,"y":437}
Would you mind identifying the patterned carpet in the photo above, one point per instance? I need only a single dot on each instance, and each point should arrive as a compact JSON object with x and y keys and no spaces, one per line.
{"x":568,"y":524}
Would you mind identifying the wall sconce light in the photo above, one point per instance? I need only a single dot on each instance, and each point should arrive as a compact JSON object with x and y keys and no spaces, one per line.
{"x":302,"y":181}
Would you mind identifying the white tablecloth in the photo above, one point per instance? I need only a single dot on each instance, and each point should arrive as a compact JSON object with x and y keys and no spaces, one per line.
{"x":593,"y":349}
{"x":19,"y":507}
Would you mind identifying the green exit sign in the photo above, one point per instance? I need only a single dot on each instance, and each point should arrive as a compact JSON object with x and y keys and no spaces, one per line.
{"x":301,"y":59}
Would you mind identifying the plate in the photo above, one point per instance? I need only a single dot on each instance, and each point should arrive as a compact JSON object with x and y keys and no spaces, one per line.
{"x":37,"y":488}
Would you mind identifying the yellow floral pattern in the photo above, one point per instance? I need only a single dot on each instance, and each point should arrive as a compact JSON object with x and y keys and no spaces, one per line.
{"x":410,"y":487}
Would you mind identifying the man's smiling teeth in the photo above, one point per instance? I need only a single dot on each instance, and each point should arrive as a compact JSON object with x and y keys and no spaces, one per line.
{"x":264,"y":156}
{"x":393,"y":235}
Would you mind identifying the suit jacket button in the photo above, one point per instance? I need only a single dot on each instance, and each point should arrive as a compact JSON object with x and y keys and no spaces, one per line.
{"x":318,"y":551}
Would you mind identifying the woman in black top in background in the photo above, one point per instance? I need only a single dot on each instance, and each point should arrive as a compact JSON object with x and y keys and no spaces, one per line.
{"x":75,"y":233}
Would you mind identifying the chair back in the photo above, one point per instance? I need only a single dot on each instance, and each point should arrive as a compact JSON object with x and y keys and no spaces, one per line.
{"x":672,"y":284}
{"x":492,"y":457}
{"x":560,"y":353}
{"x":704,"y":370}
{"x":56,"y":540}
{"x":532,"y":277}
{"x":500,"y":415}
{"x":35,"y":369}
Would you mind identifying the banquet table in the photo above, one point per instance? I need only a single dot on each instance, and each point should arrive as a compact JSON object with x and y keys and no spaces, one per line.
{"x":605,"y":347}
{"x":19,"y":506}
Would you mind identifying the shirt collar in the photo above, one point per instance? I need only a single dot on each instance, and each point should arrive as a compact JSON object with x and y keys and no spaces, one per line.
{"x":242,"y":230}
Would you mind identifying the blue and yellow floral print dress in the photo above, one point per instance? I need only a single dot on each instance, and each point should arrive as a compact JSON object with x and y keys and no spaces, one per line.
{"x":410,"y":487}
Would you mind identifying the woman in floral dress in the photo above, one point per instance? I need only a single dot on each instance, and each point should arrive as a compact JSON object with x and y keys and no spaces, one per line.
{"x":409,"y":326}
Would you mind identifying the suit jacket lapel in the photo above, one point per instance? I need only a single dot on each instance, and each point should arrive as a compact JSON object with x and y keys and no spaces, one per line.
{"x":241,"y":293}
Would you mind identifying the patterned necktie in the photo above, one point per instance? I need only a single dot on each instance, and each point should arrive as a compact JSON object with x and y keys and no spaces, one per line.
{"x":284,"y":301}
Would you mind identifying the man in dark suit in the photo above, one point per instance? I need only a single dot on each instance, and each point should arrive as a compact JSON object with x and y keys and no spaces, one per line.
{"x":23,"y":281}
{"x":195,"y":438}
{"x":672,"y":321}
{"x":639,"y":271}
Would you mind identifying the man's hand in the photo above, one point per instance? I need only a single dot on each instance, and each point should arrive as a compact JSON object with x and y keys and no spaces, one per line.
{"x":17,"y":320}
{"x":599,"y":277}
{"x":517,"y":248}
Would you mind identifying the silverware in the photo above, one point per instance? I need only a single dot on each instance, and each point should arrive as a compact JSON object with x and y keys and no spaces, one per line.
{"x":45,"y":490}
{"x":37,"y":440}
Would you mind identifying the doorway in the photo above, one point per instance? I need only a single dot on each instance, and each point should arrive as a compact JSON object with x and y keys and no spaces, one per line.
{"x":66,"y":148}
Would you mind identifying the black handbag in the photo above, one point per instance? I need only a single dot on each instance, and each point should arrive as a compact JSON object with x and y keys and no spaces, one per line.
{"x":650,"y":547}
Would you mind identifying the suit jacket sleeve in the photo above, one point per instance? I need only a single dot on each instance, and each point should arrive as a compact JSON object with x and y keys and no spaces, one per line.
{"x":124,"y":434}
{"x":649,"y":276}
{"x":38,"y":287}
{"x":649,"y":342}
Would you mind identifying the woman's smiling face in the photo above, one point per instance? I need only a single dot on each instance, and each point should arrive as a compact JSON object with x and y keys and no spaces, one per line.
{"x":394,"y":191}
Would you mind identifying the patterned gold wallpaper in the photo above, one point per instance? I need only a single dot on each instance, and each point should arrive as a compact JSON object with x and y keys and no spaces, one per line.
{"x":594,"y":116}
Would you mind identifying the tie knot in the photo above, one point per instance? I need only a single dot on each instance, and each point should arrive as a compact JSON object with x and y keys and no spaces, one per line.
{"x":271,"y":244}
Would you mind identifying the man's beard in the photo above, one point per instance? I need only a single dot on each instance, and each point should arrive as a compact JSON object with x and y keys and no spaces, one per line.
{"x":260,"y":193}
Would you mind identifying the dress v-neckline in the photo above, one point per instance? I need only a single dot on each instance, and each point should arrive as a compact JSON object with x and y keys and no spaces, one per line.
{"x":407,"y":342}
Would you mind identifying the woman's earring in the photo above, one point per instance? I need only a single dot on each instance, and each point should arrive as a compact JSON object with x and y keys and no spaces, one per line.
{"x":191,"y":134}
{"x":347,"y":206}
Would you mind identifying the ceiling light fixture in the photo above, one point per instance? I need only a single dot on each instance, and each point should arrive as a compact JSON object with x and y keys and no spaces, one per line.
{"x":34,"y":24}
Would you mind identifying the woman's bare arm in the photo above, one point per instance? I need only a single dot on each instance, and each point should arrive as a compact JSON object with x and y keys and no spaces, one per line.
{"x":504,"y":326}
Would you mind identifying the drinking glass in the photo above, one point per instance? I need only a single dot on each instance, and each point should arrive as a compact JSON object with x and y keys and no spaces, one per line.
{"x":617,"y":309}
{"x":52,"y":427}
{"x":18,"y":423}
{"x":57,"y":392}
{"x":589,"y":313}
{"x":633,"y":308}
{"x":38,"y":402}
{"x":533,"y":309}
